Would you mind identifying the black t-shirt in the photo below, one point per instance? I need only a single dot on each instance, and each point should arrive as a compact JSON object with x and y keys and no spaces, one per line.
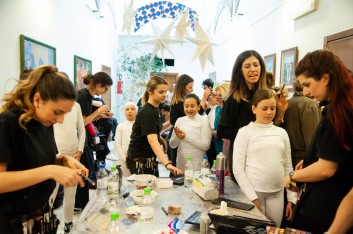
{"x":147,"y":122}
{"x":234,"y":115}
{"x":322,"y":198}
{"x":22,"y":150}
{"x":84,"y":98}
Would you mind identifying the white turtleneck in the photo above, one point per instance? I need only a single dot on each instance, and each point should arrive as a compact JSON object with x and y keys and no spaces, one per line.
{"x":122,"y":138}
{"x":261,"y":159}
{"x":197,"y":140}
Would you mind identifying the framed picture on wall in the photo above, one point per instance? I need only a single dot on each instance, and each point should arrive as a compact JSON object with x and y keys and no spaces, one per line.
{"x":34,"y":53}
{"x":289,"y":60}
{"x":270,"y":62}
{"x":82,"y":67}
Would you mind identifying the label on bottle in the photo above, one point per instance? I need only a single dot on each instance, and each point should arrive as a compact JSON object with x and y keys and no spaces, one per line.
{"x":113,"y":187}
{"x":102,"y":183}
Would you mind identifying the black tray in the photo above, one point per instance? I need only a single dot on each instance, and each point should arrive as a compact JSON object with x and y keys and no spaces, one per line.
{"x":238,"y":224}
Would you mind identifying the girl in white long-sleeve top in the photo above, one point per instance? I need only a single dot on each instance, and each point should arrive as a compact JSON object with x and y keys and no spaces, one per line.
{"x":123,"y":134}
{"x":262,"y":157}
{"x":191,"y":134}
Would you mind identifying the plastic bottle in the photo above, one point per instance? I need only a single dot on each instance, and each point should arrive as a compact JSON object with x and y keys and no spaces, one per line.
{"x":113,"y":186}
{"x":205,"y":167}
{"x":115,"y":225}
{"x":189,"y":173}
{"x":102,"y":183}
{"x":204,"y":223}
{"x":146,"y":211}
{"x":220,"y":170}
{"x":213,"y":175}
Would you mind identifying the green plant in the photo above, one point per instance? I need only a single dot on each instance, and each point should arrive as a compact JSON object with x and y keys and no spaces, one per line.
{"x":136,"y":68}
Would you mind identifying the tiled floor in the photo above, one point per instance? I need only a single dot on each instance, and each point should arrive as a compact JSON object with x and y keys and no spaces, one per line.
{"x":111,"y":158}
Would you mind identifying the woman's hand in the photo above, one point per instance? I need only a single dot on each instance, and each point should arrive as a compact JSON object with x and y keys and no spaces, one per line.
{"x":282,"y":103}
{"x":179,"y":133}
{"x":174,"y":170}
{"x":257,"y":204}
{"x":103,"y":109}
{"x":214,"y":133}
{"x":289,"y":211}
{"x":67,"y":176}
{"x":72,"y":163}
{"x":299,"y":166}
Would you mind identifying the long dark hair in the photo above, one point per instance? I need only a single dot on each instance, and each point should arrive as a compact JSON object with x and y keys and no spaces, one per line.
{"x":238,"y":88}
{"x":339,"y":89}
{"x":179,"y":90}
{"x":98,"y":78}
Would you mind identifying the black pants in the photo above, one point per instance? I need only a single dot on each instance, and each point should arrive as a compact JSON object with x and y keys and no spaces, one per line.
{"x":82,"y":193}
{"x":211,"y":153}
{"x":305,"y":223}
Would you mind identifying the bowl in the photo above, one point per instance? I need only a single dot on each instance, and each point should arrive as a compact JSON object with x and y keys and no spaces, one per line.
{"x":141,"y":181}
{"x":137,"y":195}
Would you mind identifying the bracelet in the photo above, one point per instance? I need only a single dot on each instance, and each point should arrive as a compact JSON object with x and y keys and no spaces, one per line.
{"x":166,"y":165}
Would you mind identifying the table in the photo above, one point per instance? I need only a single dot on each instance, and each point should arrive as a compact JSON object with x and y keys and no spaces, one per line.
{"x":96,"y":217}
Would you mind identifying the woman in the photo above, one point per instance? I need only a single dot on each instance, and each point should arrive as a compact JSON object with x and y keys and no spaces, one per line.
{"x":191,"y":134}
{"x":327,"y":168}
{"x":145,"y":144}
{"x":262,"y":157}
{"x":123,"y":133}
{"x":249,"y":75}
{"x":28,"y":163}
{"x":97,"y":84}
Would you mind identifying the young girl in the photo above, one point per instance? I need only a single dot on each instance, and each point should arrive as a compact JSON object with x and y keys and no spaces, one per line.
{"x":191,"y":134}
{"x":262,"y":157}
{"x":123,"y":133}
{"x":145,"y":144}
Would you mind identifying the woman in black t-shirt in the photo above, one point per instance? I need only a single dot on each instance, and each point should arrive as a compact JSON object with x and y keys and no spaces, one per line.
{"x":145,"y":144}
{"x":328,"y":166}
{"x":28,"y":163}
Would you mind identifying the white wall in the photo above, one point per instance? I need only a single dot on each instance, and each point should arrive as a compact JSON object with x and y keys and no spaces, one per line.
{"x":271,"y":29}
{"x":64,"y":24}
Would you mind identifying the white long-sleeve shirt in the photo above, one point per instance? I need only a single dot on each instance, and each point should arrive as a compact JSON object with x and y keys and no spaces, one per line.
{"x":212,"y":115}
{"x":261,"y":159}
{"x":197,"y":140}
{"x":122,"y":138}
{"x":71,"y":134}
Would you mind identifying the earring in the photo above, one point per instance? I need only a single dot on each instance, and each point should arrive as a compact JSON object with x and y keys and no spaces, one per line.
{"x":36,"y":105}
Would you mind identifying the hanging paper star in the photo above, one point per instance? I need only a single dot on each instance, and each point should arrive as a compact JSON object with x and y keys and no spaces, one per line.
{"x":161,"y":40}
{"x":204,"y":46}
{"x":128,"y":17}
{"x":231,"y":5}
{"x":181,"y":28}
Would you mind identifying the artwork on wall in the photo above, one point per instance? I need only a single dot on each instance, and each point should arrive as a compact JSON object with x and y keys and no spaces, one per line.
{"x":289,"y":60}
{"x":82,"y":67}
{"x":34,"y":53}
{"x":270,"y":62}
{"x":300,"y":8}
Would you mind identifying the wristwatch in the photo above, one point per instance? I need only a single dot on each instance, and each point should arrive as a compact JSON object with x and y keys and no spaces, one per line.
{"x":290,"y":176}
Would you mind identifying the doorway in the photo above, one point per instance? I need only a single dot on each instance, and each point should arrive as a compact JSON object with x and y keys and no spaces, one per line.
{"x":341,"y":44}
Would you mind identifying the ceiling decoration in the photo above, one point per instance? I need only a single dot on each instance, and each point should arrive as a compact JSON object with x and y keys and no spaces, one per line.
{"x":161,"y":9}
{"x":230,"y":5}
{"x":204,"y":46}
{"x":128,"y":17}
{"x":181,"y":30}
{"x":161,"y":40}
